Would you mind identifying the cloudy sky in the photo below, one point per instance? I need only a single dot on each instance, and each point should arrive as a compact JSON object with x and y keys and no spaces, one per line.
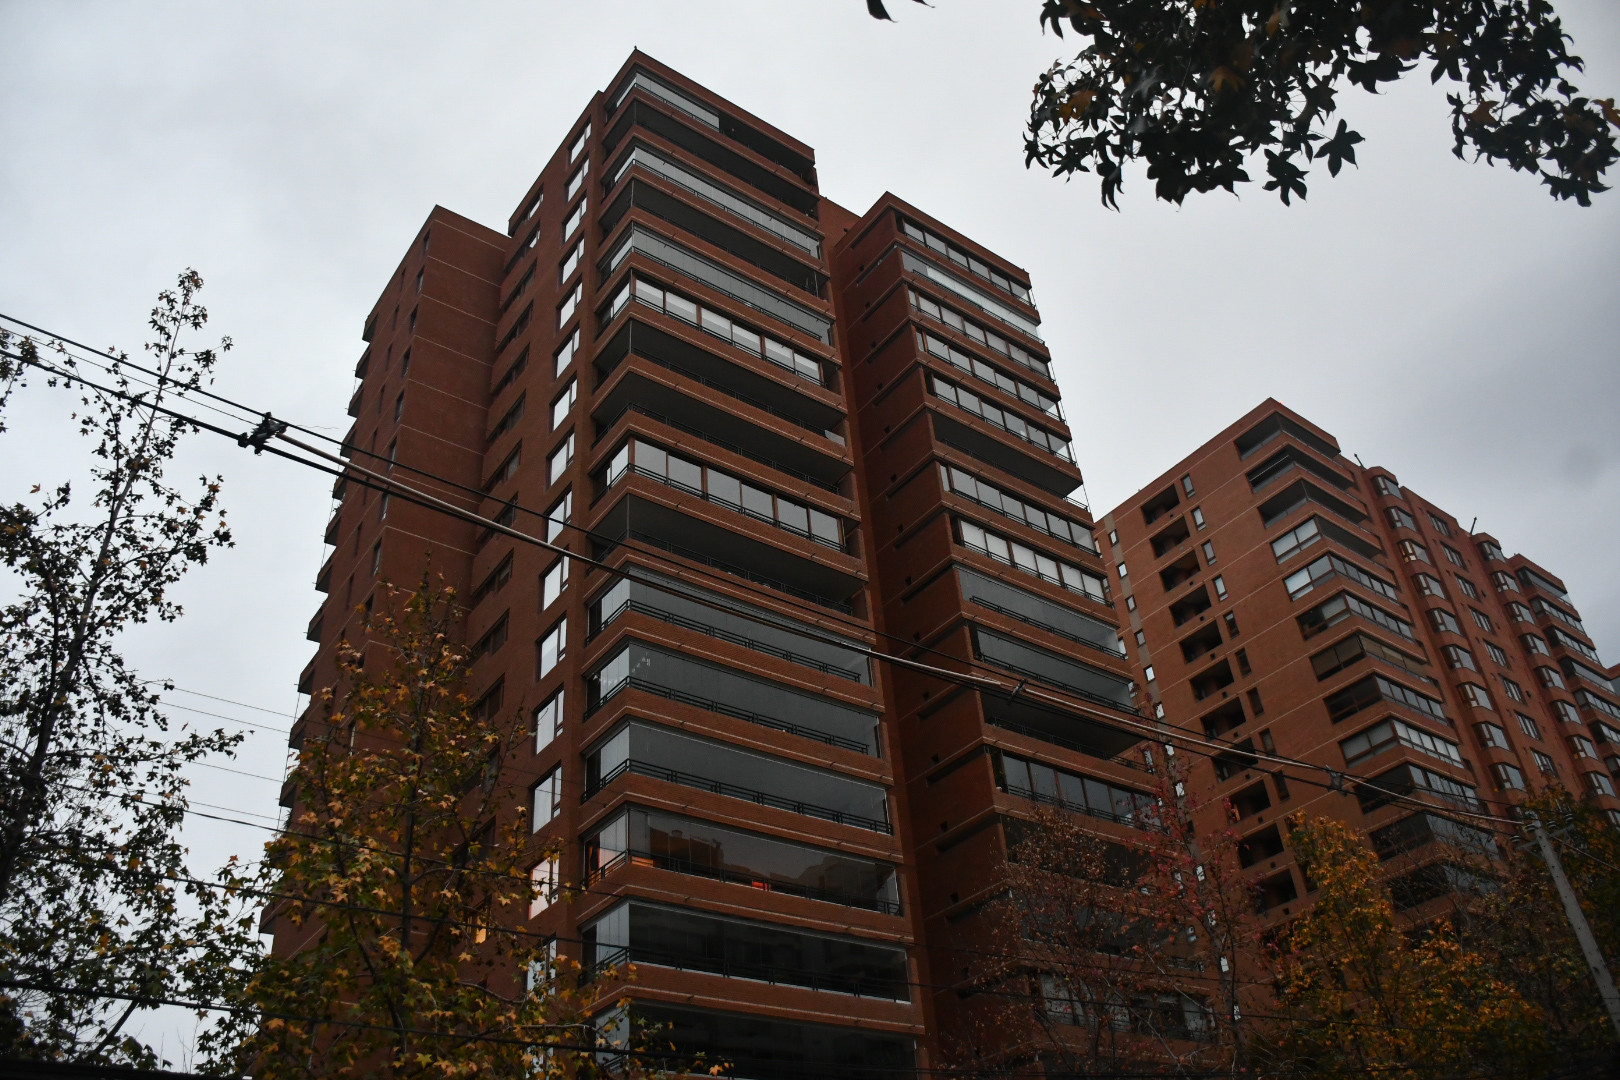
{"x":1446,"y":320}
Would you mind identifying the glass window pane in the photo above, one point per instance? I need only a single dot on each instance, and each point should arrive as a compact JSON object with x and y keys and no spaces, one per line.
{"x":685,"y":473}
{"x":681,"y":307}
{"x":725,"y":488}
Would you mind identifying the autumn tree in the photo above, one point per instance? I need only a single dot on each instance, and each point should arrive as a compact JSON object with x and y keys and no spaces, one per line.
{"x":404,"y":877}
{"x":1198,"y":90}
{"x":1362,"y":993}
{"x":1096,"y":956}
{"x":99,"y":915}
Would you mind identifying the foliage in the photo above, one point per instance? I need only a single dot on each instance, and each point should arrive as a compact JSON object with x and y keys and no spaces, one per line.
{"x":1197,"y":88}
{"x":1095,"y":958}
{"x":1521,"y":930}
{"x":96,"y":915}
{"x":1361,"y":995}
{"x":404,"y":877}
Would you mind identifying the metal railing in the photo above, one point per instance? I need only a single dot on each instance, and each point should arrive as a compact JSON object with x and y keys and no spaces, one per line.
{"x":733,"y":791}
{"x":1048,"y":627}
{"x":724,"y":635}
{"x":752,"y":881}
{"x":1134,"y":820}
{"x":1067,"y":744}
{"x":670,"y":693}
{"x":1036,"y":676}
{"x":698,"y":493}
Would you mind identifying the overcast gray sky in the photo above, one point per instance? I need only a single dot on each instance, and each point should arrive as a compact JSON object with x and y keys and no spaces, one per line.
{"x":1447,"y":320}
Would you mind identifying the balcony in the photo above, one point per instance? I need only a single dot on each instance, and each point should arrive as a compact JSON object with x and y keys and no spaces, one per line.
{"x":1071,"y":676}
{"x":1039,"y":612}
{"x":1276,"y":425}
{"x":1041,"y":468}
{"x":1069,"y":730}
{"x":649,"y":750}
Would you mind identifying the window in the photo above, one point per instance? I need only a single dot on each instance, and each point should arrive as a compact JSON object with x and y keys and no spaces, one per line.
{"x":1492,"y":736}
{"x":399,"y":406}
{"x":1453,"y":555}
{"x":1130,"y":603}
{"x":575,"y":219}
{"x":1529,"y":726}
{"x":1467,"y":587}
{"x":1518,"y":612}
{"x":1597,"y":783}
{"x":564,"y":402}
{"x":1030,"y":561}
{"x":1220,"y":587}
{"x":1534,"y":645}
{"x":492,"y":640}
{"x":558,"y":517}
{"x":376,"y":557}
{"x":1187,"y":484}
{"x":382,"y":512}
{"x":1198,"y":517}
{"x":1244,"y":668}
{"x":1330,"y":566}
{"x":509,"y":421}
{"x":508,"y":469}
{"x":1230,"y":618}
{"x":1511,"y":688}
{"x":1009,"y":506}
{"x":543,"y":885}
{"x":1141,"y":640}
{"x":570,"y":304}
{"x":1400,"y":518}
{"x":1428,"y":586}
{"x":412,"y":327}
{"x":1581,"y":747}
{"x":1508,"y":777}
{"x":1544,"y":763}
{"x":565,"y":355}
{"x":1566,"y":712}
{"x":1148,"y":673}
{"x":714,"y":323}
{"x":1443,"y":529}
{"x":1113,"y":537}
{"x":577,"y":147}
{"x":1412,"y":551}
{"x":420,"y":274}
{"x":1124,"y":571}
{"x":552,"y":583}
{"x":547,"y":797}
{"x":405,"y":364}
{"x":1444,"y":620}
{"x":1458,"y":657}
{"x":548,"y":721}
{"x":1550,"y":678}
{"x":1491,"y":551}
{"x":1209,"y":551}
{"x":1504,"y":582}
{"x":577,"y":181}
{"x":570,"y":262}
{"x":1390,"y":733}
{"x":1475,"y":695}
{"x":560,"y":459}
{"x":1386,"y":485}
{"x":1498,"y":654}
{"x":1482,"y":620}
{"x":552,"y":647}
{"x":1256,"y":706}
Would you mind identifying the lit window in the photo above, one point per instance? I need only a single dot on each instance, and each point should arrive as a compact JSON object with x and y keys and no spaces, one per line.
{"x":566,"y":309}
{"x":553,"y":646}
{"x":565,"y":355}
{"x":577,"y":147}
{"x":543,"y":885}
{"x":1475,"y":695}
{"x":547,"y":797}
{"x":1492,"y":736}
{"x":1220,"y":586}
{"x":577,"y":181}
{"x":1512,"y":689}
{"x":1529,"y":726}
{"x":560,"y":459}
{"x":571,"y":262}
{"x":564,"y":402}
{"x":548,"y":721}
{"x":552,"y":583}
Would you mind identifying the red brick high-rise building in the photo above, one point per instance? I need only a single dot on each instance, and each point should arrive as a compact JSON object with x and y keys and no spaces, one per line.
{"x":804,"y":442}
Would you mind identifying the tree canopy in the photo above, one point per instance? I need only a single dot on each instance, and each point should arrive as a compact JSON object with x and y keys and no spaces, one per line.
{"x":1197,"y":90}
